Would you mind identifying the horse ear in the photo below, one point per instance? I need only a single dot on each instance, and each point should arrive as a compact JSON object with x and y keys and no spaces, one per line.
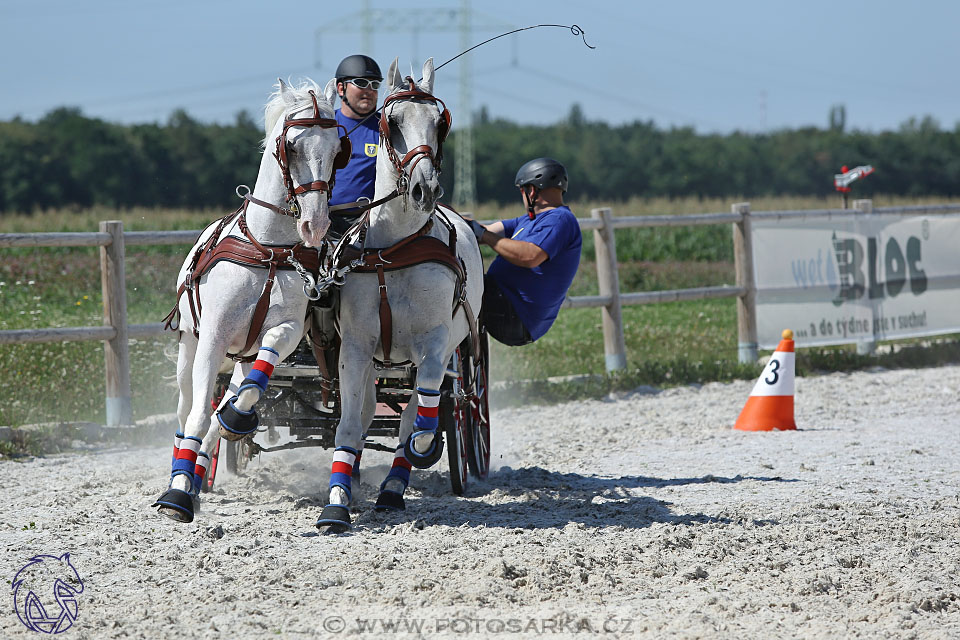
{"x":393,"y":75}
{"x":330,"y":91}
{"x":286,"y":93}
{"x":427,"y":84}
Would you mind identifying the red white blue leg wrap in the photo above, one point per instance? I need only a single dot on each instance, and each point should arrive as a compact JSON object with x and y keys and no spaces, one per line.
{"x":177,"y":439}
{"x":203,"y":461}
{"x":356,"y":462}
{"x":262,"y":369}
{"x":342,"y":469}
{"x":428,"y":411}
{"x":399,"y":471}
{"x":425,"y":424}
{"x":186,"y":461}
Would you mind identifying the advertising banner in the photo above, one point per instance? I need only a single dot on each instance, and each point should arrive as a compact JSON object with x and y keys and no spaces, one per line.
{"x":856,"y":278}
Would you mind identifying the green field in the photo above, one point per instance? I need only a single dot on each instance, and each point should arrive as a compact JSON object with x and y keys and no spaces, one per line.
{"x":672,"y":343}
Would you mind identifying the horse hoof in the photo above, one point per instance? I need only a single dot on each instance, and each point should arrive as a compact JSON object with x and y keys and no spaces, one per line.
{"x":334,"y":518}
{"x":176,"y":504}
{"x":235,"y":424}
{"x":424,"y":460}
{"x":390,"y":501}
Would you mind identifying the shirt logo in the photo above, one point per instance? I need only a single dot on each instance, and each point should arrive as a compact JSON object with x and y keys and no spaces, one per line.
{"x":370,"y":149}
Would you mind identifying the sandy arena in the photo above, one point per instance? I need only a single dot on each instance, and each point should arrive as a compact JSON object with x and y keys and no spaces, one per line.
{"x":642,"y":516}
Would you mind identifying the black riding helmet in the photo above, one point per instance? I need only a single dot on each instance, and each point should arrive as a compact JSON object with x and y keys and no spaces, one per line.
{"x":358,"y":66}
{"x":542,"y":173}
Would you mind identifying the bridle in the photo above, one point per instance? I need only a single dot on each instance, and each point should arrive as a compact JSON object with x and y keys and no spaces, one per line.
{"x":339,"y":162}
{"x":415,"y":155}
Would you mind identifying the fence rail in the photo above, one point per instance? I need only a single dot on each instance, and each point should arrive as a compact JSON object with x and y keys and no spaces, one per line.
{"x":115,"y":332}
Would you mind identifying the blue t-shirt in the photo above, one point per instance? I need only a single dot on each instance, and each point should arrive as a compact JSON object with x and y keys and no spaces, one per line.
{"x":537,"y":293}
{"x":359,"y":177}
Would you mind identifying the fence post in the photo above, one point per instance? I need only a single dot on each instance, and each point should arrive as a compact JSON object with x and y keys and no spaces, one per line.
{"x":608,"y":279}
{"x":746,"y":304}
{"x":867,"y":346}
{"x":116,"y":351}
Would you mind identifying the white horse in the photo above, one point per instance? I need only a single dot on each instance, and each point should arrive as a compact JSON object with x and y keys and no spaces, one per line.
{"x":247,"y":273}
{"x":431,"y":306}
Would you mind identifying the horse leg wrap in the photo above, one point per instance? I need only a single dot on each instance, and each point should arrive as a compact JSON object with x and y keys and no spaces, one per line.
{"x":236,"y":424}
{"x":177,"y":439}
{"x":185,"y":463}
{"x":426,"y":422}
{"x":390,"y":499}
{"x":356,"y":463}
{"x":342,"y":469}
{"x":335,"y":518}
{"x":262,"y":369}
{"x":200,"y":470}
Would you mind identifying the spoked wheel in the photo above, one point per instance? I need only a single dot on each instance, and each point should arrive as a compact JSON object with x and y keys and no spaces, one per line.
{"x":206,"y":485}
{"x":239,"y":454}
{"x":478,"y":412}
{"x":453,"y":416}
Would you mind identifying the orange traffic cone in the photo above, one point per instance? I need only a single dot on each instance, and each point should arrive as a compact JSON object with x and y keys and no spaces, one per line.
{"x":770,"y":405}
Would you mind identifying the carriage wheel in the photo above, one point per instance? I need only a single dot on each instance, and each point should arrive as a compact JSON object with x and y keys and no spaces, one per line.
{"x":206,"y":485}
{"x":238,"y":454}
{"x":478,"y":431}
{"x":453,"y":420}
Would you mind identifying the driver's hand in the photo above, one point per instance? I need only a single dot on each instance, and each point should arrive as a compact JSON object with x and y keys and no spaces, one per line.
{"x":477,"y":229}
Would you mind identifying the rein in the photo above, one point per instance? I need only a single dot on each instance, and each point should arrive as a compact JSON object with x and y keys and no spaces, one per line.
{"x":413,"y":156}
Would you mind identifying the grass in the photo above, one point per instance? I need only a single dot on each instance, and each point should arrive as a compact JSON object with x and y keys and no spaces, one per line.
{"x":671,"y":343}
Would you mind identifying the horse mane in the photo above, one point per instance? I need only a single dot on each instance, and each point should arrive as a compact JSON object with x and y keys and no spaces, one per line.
{"x":277,"y":108}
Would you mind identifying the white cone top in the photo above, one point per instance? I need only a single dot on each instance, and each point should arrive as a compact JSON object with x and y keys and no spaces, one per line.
{"x":777,"y":376}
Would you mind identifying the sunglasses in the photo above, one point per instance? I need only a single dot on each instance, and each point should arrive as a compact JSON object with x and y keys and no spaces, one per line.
{"x":363,"y":83}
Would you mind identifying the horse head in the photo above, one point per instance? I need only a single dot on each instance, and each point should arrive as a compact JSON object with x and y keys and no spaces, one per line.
{"x":413,"y":126}
{"x":300,"y":124}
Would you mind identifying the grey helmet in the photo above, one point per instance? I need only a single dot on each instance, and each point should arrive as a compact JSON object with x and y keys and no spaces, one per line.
{"x":358,"y":66}
{"x":542,"y":173}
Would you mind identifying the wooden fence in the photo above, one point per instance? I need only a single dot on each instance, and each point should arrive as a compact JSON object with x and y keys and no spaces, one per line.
{"x":115,"y":332}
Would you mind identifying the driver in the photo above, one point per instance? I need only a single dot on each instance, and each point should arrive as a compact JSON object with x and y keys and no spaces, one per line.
{"x":538,"y":256}
{"x":358,"y":80}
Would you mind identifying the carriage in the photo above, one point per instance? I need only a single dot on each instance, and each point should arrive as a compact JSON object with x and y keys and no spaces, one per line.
{"x":303,"y":399}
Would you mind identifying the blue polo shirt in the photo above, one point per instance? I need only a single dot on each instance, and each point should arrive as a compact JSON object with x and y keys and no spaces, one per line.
{"x":536,"y":294}
{"x":359,"y":177}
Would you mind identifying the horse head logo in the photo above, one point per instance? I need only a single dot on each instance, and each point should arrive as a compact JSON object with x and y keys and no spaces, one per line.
{"x":45,"y":593}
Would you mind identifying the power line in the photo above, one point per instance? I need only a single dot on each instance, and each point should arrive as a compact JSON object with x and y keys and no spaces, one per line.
{"x":596,"y":90}
{"x":126,"y":100}
{"x":414,"y":21}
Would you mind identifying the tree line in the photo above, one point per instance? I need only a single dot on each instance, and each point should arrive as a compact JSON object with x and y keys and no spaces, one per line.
{"x":66,"y":159}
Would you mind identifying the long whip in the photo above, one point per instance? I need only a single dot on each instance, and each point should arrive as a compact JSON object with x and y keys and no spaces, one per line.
{"x":574,"y":30}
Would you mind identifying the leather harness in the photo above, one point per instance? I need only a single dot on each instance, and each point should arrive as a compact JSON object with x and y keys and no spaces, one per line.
{"x":252,"y":253}
{"x":247,"y":252}
{"x":417,"y":248}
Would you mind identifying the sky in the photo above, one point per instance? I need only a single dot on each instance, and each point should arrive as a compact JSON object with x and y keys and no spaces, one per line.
{"x":717,"y":66}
